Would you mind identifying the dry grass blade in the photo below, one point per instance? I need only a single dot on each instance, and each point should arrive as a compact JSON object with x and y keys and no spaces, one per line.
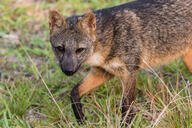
{"x":152,"y":70}
{"x":174,"y":99}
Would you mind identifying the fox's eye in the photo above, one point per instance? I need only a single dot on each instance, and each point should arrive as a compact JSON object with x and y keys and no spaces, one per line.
{"x":60,"y":48}
{"x":80,"y":50}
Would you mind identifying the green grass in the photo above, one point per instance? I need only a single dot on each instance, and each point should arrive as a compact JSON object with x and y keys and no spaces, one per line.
{"x":27,"y":66}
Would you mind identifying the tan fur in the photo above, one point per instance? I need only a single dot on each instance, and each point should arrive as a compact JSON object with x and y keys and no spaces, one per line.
{"x":98,"y":55}
{"x":116,"y":67}
{"x":187,"y":58}
{"x":95,"y":78}
{"x":152,"y":60}
{"x":95,"y":60}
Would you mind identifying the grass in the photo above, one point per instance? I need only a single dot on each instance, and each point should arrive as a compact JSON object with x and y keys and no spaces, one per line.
{"x":35,"y":93}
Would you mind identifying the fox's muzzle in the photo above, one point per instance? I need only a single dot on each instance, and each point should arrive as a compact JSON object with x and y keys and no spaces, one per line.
{"x":69,"y":65}
{"x":68,"y":71}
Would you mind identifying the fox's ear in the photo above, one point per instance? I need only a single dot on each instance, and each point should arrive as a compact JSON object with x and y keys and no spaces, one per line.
{"x":56,"y":21}
{"x":88,"y":23}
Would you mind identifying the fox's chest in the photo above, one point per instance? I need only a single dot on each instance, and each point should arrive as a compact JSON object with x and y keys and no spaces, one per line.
{"x":114,"y":66}
{"x":95,"y":60}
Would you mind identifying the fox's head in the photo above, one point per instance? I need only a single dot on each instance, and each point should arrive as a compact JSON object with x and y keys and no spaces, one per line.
{"x":72,"y":39}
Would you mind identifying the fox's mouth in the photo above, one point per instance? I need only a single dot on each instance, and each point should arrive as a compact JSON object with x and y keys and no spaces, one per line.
{"x":68,"y":73}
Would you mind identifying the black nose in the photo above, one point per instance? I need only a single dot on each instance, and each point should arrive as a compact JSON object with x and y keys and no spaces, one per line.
{"x":68,"y":71}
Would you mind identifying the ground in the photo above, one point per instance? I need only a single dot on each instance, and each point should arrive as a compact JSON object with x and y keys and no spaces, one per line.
{"x":35,"y":93}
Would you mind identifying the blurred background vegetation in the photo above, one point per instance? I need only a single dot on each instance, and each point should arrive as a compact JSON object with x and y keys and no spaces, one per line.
{"x":27,"y":66}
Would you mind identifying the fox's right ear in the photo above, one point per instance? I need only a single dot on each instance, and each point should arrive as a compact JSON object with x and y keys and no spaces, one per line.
{"x":56,"y":21}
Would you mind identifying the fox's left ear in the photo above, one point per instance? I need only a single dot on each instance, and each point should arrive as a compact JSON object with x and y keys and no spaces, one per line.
{"x":56,"y":21}
{"x":88,"y":23}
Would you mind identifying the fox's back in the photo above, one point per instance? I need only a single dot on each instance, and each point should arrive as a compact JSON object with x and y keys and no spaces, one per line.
{"x":163,"y":28}
{"x":166,"y":29}
{"x":165,"y":21}
{"x":173,"y":17}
